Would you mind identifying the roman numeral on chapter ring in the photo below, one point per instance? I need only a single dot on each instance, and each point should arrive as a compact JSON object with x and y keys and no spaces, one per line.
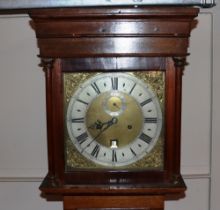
{"x":78,"y":120}
{"x":114,"y":83}
{"x":150,"y":120}
{"x":132,"y":88}
{"x":83,"y":102}
{"x":144,"y":137}
{"x":114,"y":156}
{"x":95,"y":151}
{"x":133,"y":152}
{"x":96,"y":88}
{"x":82,"y":138}
{"x":146,"y":102}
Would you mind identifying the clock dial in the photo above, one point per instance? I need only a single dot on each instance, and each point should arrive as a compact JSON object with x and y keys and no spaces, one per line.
{"x":114,"y":119}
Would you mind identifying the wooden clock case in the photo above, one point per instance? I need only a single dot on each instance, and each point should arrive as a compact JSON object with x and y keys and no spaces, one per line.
{"x":88,"y":39}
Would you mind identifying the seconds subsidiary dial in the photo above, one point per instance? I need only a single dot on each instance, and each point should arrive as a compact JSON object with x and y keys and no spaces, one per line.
{"x":114,"y":119}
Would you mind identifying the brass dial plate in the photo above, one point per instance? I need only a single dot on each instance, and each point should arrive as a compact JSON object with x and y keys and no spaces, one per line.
{"x":109,"y":106}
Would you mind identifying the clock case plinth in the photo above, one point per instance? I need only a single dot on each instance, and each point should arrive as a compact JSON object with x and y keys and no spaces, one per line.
{"x":88,"y":40}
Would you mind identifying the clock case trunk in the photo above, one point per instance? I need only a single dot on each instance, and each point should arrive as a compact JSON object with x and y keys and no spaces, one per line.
{"x":88,"y":40}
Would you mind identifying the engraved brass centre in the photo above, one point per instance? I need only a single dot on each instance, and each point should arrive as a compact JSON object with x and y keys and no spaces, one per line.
{"x":114,"y":104}
{"x":114,"y":121}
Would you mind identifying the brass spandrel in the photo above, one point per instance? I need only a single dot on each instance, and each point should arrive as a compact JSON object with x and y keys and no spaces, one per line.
{"x":74,"y":159}
{"x":72,"y":82}
{"x":155,"y":80}
{"x":153,"y":160}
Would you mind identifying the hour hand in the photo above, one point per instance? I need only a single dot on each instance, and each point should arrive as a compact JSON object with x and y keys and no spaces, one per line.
{"x":107,"y":125}
{"x":103,"y":126}
{"x":97,"y":125}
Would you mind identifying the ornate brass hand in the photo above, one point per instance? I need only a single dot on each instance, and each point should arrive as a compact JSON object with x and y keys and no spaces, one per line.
{"x":106,"y":125}
{"x":103,"y":127}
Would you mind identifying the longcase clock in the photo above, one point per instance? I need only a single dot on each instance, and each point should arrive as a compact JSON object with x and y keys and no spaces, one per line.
{"x":113,"y":84}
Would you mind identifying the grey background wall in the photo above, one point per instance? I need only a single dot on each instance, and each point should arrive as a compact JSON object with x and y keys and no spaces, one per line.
{"x":23,"y":150}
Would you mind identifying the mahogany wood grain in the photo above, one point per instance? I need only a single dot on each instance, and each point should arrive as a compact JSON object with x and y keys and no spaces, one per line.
{"x":124,"y":12}
{"x":57,"y":122}
{"x":170,"y":115}
{"x":116,"y":31}
{"x":179,"y":63}
{"x":113,"y":64}
{"x":47,"y":65}
{"x":140,"y":202}
{"x":112,"y":46}
{"x":138,"y":27}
